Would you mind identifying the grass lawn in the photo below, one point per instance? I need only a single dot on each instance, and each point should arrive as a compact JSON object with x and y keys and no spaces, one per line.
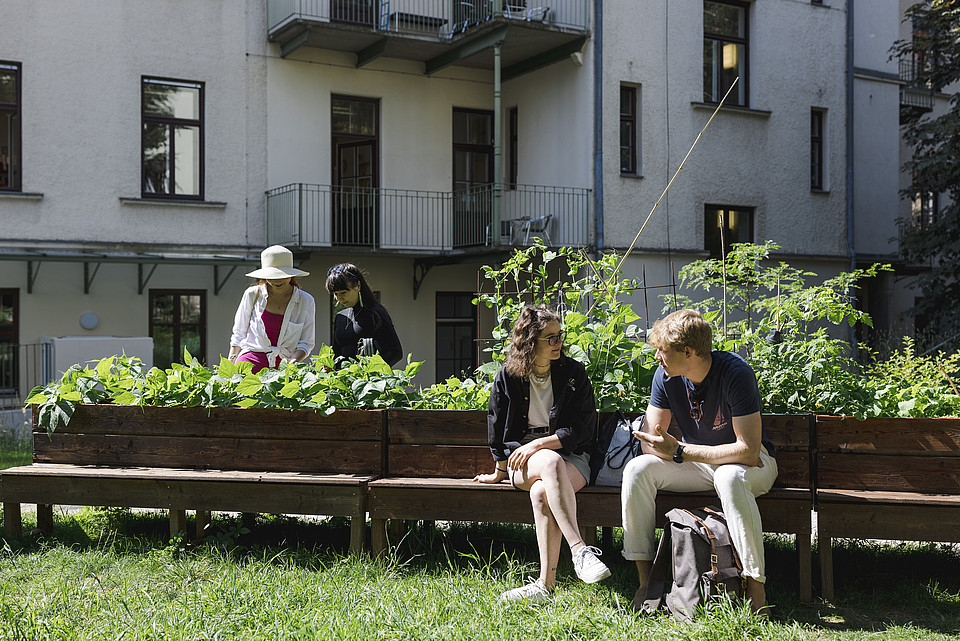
{"x":112,"y":574}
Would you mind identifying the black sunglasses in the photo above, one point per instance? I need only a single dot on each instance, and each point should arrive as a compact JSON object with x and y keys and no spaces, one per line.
{"x":553,"y":340}
{"x":695,"y":412}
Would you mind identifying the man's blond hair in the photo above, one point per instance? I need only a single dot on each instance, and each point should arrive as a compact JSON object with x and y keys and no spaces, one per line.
{"x":683,"y":328}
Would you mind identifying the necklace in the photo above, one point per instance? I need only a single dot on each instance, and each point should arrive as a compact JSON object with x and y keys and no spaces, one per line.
{"x":540,"y":380}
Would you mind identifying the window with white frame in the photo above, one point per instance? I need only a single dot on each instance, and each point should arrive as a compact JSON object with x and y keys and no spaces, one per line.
{"x":725,"y":50}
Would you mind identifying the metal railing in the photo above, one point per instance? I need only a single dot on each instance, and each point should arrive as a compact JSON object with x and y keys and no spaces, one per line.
{"x":23,"y":367}
{"x":443,"y":18}
{"x":307,"y":215}
{"x":915,"y":92}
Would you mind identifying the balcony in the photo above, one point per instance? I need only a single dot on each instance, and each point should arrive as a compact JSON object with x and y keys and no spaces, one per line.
{"x":916,"y":95}
{"x":438,"y":33}
{"x":425,"y":223}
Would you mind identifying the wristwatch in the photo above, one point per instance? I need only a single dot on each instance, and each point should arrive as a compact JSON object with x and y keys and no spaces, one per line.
{"x":678,"y":456}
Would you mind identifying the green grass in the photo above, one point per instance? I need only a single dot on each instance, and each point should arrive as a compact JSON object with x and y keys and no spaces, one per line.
{"x":112,"y":574}
{"x":14,"y":452}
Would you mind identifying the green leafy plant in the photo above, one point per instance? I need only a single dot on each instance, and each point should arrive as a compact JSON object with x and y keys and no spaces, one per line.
{"x":454,"y":394}
{"x":910,"y":385}
{"x":601,"y":330}
{"x":362,"y":383}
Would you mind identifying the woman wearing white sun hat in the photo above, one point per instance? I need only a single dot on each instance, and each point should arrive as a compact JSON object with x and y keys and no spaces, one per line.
{"x":275,"y":320}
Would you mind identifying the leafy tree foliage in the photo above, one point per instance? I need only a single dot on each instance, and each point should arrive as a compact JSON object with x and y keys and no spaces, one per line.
{"x":935,"y":165}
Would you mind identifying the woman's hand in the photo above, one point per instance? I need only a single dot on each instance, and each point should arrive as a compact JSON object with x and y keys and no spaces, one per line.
{"x":497,"y":476}
{"x":520,"y":456}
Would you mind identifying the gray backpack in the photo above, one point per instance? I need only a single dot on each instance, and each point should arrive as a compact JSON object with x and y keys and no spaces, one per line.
{"x":695,"y":563}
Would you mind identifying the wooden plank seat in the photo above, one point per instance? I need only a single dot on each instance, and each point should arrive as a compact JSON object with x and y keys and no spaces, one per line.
{"x":432,"y":455}
{"x":221,"y":459}
{"x":885,"y":478}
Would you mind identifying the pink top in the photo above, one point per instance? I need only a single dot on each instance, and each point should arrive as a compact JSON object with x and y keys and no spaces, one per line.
{"x":271,"y":323}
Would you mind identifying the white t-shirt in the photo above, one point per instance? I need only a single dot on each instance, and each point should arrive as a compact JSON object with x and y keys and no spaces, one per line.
{"x":541,"y":400}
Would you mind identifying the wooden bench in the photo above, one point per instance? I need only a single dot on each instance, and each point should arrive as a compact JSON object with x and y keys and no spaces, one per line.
{"x":885,"y":478}
{"x":433,"y":455}
{"x":221,"y":459}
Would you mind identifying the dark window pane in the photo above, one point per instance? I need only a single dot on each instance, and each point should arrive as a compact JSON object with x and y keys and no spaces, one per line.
{"x":357,"y":117}
{"x":156,"y":166}
{"x":189,"y":339}
{"x":163,"y":347}
{"x":8,"y":85}
{"x":724,"y":226}
{"x":722,"y":19}
{"x":189,"y":309}
{"x":162,"y":311}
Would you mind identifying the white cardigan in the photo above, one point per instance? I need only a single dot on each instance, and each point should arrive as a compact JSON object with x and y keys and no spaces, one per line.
{"x":296,"y":332}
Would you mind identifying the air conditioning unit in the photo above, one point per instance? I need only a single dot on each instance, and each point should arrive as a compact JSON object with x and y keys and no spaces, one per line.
{"x":72,"y":350}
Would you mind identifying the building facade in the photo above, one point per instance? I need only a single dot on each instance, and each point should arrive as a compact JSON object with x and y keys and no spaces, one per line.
{"x":149,"y":153}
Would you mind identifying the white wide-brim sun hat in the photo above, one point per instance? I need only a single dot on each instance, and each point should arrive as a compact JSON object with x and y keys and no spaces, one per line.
{"x":276,"y":261}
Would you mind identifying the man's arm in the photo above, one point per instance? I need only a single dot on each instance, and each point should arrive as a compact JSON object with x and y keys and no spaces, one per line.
{"x":745,"y":450}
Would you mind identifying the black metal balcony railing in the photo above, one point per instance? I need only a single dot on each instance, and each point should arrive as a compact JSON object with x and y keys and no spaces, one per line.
{"x":443,"y":18}
{"x":23,"y":367}
{"x":915,"y":94}
{"x":404,"y":220}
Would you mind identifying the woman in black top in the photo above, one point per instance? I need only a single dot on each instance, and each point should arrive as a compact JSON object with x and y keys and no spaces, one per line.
{"x":541,"y":423}
{"x":362,"y":316}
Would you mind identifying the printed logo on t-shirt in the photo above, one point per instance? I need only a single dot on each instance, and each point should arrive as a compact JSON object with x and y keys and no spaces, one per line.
{"x":719,"y":423}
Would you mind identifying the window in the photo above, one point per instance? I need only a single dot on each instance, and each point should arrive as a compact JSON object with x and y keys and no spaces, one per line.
{"x":9,"y":126}
{"x":724,"y":51}
{"x":172,"y":139}
{"x":629,"y":131}
{"x":9,"y":361}
{"x":456,"y":334}
{"x":724,"y":225}
{"x":513,"y":168}
{"x":178,"y":320}
{"x":356,"y":170}
{"x":817,"y":158}
{"x":472,"y":176}
{"x":924,"y":209}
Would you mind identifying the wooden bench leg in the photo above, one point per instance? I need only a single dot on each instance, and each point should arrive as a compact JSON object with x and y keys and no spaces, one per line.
{"x":588,"y":534}
{"x":203,"y":521}
{"x":396,"y":529}
{"x":606,"y":537}
{"x":825,"y":548}
{"x":358,"y":533}
{"x":45,"y":519}
{"x":12,"y":523}
{"x":378,"y":537}
{"x":178,"y":521}
{"x":806,"y":567}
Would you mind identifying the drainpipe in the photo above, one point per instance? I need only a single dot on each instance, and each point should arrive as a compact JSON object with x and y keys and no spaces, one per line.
{"x":851,"y":244}
{"x":598,"y":119}
{"x":495,"y":237}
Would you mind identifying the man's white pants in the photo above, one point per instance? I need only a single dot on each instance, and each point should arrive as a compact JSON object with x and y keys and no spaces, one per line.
{"x":738,"y":487}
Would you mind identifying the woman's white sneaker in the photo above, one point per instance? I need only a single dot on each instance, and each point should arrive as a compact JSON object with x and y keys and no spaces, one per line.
{"x":533,"y":592}
{"x":588,"y":567}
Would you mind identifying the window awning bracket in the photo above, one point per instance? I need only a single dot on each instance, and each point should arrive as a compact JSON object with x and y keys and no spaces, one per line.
{"x":88,"y":276}
{"x":33,"y":268}
{"x":143,"y":280}
{"x":218,"y":283}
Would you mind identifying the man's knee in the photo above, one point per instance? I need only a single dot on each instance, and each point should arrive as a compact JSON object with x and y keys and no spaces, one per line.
{"x":639,"y":467}
{"x":730,"y":478}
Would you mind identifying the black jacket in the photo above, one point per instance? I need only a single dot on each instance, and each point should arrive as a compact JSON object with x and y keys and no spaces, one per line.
{"x":573,"y":417}
{"x":354,"y":323}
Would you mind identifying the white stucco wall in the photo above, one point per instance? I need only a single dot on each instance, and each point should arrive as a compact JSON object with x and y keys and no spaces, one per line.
{"x":757,"y":158}
{"x":82,"y":66}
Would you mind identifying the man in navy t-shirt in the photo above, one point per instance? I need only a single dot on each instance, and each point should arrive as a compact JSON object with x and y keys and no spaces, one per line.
{"x":713,"y":397}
